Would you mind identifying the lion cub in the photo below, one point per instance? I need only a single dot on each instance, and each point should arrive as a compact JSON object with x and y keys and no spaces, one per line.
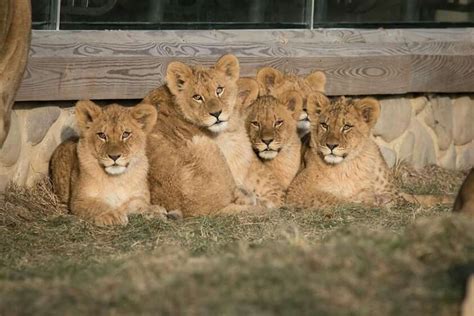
{"x":271,"y":128}
{"x":343,"y":163}
{"x":275,"y":83}
{"x":188,"y":171}
{"x":102,"y":176}
{"x":465,"y":200}
{"x":233,"y":142}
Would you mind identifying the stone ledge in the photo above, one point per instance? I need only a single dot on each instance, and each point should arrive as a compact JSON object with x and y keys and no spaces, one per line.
{"x":421,"y":130}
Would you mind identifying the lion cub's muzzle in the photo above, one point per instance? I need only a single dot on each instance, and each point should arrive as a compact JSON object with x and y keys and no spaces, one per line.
{"x":267,"y":149}
{"x":115,"y":164}
{"x":304,"y":124}
{"x":332,"y":153}
{"x":218,"y":122}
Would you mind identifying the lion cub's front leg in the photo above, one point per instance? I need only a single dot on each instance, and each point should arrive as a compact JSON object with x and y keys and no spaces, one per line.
{"x":243,"y":196}
{"x":142,"y":206}
{"x":99,"y":212}
{"x":268,"y":192}
{"x":102,"y":214}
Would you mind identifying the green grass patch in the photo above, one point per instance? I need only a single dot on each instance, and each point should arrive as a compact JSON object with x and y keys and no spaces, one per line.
{"x":344,"y":261}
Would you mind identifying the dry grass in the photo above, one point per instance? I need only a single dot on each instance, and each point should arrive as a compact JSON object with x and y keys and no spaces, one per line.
{"x":344,"y":261}
{"x":430,"y":180}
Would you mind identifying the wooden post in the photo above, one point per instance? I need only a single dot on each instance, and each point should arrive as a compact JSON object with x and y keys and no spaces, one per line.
{"x":15,"y":34}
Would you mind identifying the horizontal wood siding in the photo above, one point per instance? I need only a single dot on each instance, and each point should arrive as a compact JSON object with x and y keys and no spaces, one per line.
{"x":70,"y":65}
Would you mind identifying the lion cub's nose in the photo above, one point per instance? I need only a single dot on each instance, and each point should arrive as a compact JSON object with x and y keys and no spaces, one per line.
{"x":114,"y":157}
{"x":267,"y":141}
{"x":216,"y":114}
{"x":332,"y":146}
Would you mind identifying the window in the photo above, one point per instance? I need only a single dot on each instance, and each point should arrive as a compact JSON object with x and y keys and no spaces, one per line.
{"x":393,"y":13}
{"x":248,"y":14}
{"x":44,"y":14}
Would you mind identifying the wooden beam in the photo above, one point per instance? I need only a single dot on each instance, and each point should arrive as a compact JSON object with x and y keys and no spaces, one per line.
{"x":70,"y":65}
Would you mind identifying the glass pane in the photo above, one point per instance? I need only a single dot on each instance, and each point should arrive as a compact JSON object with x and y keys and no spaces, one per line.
{"x":393,"y":13}
{"x":182,"y":14}
{"x":44,"y":14}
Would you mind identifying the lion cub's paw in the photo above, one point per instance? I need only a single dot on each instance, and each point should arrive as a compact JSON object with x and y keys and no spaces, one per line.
{"x":405,"y":198}
{"x":386,"y":200}
{"x":268,"y":204}
{"x":244,"y":197}
{"x":175,"y":215}
{"x":111,"y":218}
{"x":155,"y":211}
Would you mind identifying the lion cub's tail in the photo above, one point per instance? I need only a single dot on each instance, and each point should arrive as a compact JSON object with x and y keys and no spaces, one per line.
{"x":429,"y":200}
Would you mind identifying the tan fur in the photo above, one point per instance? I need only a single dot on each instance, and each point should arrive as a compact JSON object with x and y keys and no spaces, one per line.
{"x":195,"y":92}
{"x":275,"y":83}
{"x":343,"y":163}
{"x":248,"y":171}
{"x":271,"y":126}
{"x":102,"y":176}
{"x":271,"y":129}
{"x":465,"y":200}
{"x":188,"y":171}
{"x":233,"y":142}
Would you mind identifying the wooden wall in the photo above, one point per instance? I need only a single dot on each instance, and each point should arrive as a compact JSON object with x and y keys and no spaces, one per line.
{"x":70,"y":65}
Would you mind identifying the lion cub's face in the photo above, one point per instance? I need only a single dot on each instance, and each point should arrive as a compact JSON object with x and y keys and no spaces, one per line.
{"x":115,"y":136}
{"x":271,"y":122}
{"x":205,"y":96}
{"x":275,"y":83}
{"x":340,"y":127}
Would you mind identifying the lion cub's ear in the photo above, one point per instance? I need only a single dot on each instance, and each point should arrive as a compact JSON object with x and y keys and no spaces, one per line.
{"x":248,"y":93}
{"x":369,"y":108}
{"x":229,"y":65}
{"x":145,"y":115}
{"x":178,"y":76}
{"x":294,"y":102}
{"x":317,"y":81}
{"x":316,"y":103}
{"x":86,"y":113}
{"x":268,"y":78}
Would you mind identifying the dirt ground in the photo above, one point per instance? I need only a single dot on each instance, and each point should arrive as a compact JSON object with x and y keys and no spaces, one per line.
{"x":344,"y":261}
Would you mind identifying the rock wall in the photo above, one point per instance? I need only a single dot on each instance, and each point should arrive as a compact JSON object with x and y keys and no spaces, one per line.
{"x":35,"y":131}
{"x":421,"y":130}
{"x":427,"y":129}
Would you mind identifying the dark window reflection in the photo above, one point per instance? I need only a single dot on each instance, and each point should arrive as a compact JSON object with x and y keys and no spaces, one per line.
{"x":393,"y":12}
{"x":159,"y":14}
{"x":44,"y":14}
{"x":205,"y":14}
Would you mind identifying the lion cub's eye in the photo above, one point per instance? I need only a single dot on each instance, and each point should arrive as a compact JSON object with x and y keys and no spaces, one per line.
{"x":219,"y":91}
{"x":255,"y":124}
{"x":346,"y":127}
{"x":102,"y":136}
{"x":198,"y":98}
{"x":278,"y":123}
{"x":126,"y":135}
{"x":324,"y":125}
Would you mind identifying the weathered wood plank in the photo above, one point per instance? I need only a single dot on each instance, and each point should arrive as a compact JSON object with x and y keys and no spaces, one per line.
{"x":90,"y":78}
{"x":364,"y":75}
{"x":64,"y":38}
{"x":128,"y":77}
{"x":442,"y":73}
{"x":69,"y":65}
